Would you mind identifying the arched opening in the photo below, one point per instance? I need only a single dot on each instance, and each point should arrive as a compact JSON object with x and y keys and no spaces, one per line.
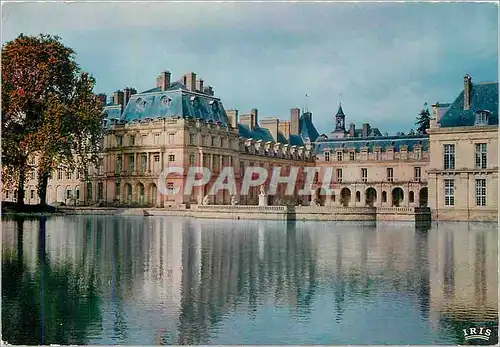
{"x":89,"y":192}
{"x":397,"y":196}
{"x":358,"y":196}
{"x":128,"y":192}
{"x":77,"y":194}
{"x":384,"y":196}
{"x":140,"y":193}
{"x":411,"y":197}
{"x":152,"y":194}
{"x":59,"y":194}
{"x":371,"y":197}
{"x":100,"y":191}
{"x":423,"y":197}
{"x":320,"y":197}
{"x":333,"y":197}
{"x":345,"y":197}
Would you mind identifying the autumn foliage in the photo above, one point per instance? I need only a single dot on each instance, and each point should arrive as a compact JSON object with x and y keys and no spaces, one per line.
{"x":48,"y":110}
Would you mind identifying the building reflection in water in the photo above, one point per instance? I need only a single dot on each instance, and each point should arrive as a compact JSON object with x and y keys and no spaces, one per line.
{"x":176,"y":281}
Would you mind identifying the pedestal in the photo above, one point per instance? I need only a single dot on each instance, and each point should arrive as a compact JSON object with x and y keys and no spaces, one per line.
{"x":262,"y":200}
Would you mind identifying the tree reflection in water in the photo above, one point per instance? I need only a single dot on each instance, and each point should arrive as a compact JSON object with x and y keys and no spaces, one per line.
{"x":58,"y":303}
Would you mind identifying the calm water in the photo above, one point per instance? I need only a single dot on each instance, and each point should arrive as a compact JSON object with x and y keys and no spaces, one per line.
{"x":151,"y":281}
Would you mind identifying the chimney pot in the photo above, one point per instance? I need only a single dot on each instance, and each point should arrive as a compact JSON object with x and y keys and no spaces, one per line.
{"x":199,"y":85}
{"x":294,"y":121}
{"x":352,"y":130}
{"x":163,"y":80}
{"x":467,"y":91}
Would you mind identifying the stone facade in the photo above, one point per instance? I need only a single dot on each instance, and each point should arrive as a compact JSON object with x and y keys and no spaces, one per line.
{"x":183,"y":124}
{"x":463,"y":167}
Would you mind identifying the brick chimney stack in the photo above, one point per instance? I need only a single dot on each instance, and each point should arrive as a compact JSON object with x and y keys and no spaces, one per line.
{"x":467,"y":91}
{"x":199,"y":85}
{"x":163,"y":80}
{"x":232,"y":116}
{"x":294,"y":121}
{"x":366,"y":130}
{"x":118,"y":98}
{"x":255,"y":117}
{"x":352,"y":130}
{"x":190,"y":81}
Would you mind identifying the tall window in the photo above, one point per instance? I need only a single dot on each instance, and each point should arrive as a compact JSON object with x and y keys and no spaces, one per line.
{"x":156,"y":158}
{"x":418,"y":154}
{"x":449,"y":157}
{"x":340,"y":156}
{"x":117,"y":191}
{"x":32,"y":173}
{"x":132,"y":140}
{"x":352,"y":156}
{"x":119,"y":140}
{"x":144,"y":162}
{"x":339,"y":175}
{"x":481,"y":155}
{"x":68,"y":174}
{"x":156,"y":139}
{"x":418,"y":172}
{"x":192,"y":139}
{"x":377,"y":155}
{"x":59,"y":174}
{"x":213,"y":141}
{"x":170,"y":138}
{"x":327,"y":156}
{"x":390,"y":174}
{"x":191,"y":159}
{"x":364,"y":175}
{"x":131,"y":162}
{"x":118,"y":163}
{"x":449,"y":192}
{"x":171,"y":157}
{"x":480,"y":192}
{"x":316,"y":177}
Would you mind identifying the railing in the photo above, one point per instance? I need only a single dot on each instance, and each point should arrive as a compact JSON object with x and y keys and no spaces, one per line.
{"x":403,"y":209}
{"x":336,"y":209}
{"x":245,"y":208}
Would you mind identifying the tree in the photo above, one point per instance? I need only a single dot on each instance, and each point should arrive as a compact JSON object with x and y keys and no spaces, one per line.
{"x":423,"y":121}
{"x":48,"y":110}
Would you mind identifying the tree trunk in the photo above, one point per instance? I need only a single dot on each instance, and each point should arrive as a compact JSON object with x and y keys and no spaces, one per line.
{"x":43,"y":180}
{"x":20,"y":185}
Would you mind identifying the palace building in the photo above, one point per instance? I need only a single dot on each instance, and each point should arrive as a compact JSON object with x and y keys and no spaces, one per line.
{"x":453,"y":169}
{"x":463,"y":165}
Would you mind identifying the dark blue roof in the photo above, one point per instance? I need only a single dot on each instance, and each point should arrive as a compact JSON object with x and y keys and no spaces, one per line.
{"x":177,"y":102}
{"x":383,"y":142}
{"x":307,"y":128}
{"x":484,"y":96}
{"x":296,"y":140}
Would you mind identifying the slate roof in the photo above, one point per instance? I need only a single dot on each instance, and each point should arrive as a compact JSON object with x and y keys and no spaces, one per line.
{"x":484,"y":96}
{"x":340,"y":112}
{"x":307,"y":128}
{"x":383,"y":142}
{"x":265,"y":135}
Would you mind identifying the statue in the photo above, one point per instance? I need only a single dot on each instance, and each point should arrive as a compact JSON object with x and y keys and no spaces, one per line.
{"x":233,"y":200}
{"x":206,"y":200}
{"x":262,"y":190}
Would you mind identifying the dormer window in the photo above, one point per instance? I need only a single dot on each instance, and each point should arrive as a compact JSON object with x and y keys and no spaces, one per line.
{"x":482,"y":117}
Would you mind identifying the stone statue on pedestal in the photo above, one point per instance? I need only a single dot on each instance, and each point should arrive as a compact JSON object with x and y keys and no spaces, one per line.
{"x":263,"y":197}
{"x":233,"y":200}
{"x":206,"y":200}
{"x":262,"y":190}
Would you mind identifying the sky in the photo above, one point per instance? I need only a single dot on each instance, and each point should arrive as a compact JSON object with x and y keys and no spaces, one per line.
{"x":383,"y":61}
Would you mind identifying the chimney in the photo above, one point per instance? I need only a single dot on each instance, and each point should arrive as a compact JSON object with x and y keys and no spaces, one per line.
{"x":199,"y":85}
{"x":103,"y":98}
{"x":352,"y":130}
{"x":126,"y":95}
{"x":467,"y":91}
{"x":232,"y":116}
{"x":190,"y":79}
{"x":255,"y":117}
{"x":163,"y":80}
{"x":294,"y":121}
{"x":208,"y":90}
{"x":366,"y":130}
{"x":118,"y":98}
{"x":272,"y":125}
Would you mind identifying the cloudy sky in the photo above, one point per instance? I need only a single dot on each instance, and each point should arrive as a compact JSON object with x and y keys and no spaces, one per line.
{"x":383,"y":60}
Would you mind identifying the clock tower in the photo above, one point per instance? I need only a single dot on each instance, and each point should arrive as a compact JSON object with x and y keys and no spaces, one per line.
{"x":340,"y":120}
